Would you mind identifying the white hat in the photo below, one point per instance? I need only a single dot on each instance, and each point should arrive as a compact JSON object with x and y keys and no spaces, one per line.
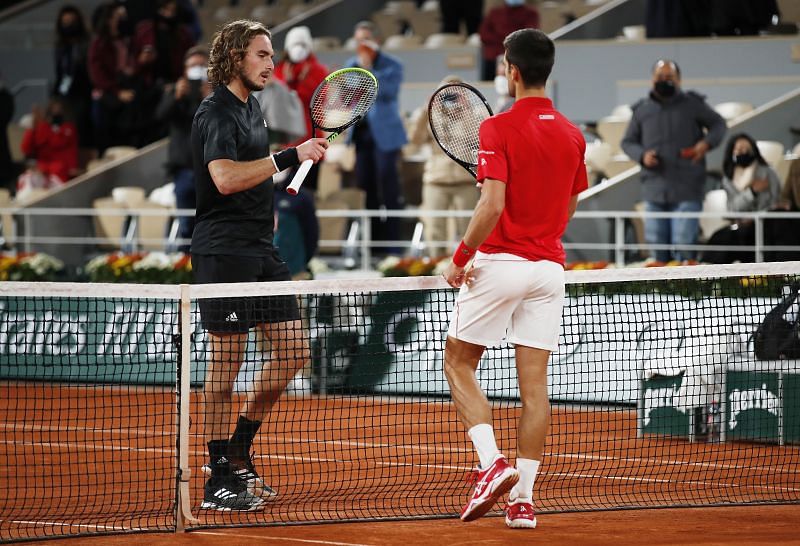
{"x":298,"y":36}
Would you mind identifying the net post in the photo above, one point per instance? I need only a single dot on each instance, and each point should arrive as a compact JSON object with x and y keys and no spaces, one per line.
{"x":184,"y":474}
{"x":366,"y":242}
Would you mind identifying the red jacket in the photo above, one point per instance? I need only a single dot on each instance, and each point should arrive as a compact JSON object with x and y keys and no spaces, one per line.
{"x":303,"y":78}
{"x":169,"y":69}
{"x":502,"y":21}
{"x":54,"y":147}
{"x":104,"y":71}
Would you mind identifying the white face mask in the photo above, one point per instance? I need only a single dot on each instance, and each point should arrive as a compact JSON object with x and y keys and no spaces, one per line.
{"x":501,"y":85}
{"x":298,"y":53}
{"x":197,"y":73}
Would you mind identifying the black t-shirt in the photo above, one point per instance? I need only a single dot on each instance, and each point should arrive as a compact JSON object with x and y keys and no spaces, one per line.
{"x":241,"y":223}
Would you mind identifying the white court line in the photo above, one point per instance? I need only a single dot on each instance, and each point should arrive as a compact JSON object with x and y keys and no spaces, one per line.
{"x":433,"y":449}
{"x":65,"y":524}
{"x":259,"y":537}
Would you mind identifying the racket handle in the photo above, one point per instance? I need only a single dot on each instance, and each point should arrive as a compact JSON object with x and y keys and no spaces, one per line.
{"x":299,"y":176}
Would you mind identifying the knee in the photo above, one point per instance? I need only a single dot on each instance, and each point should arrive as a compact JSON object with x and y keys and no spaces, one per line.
{"x":217,"y":391}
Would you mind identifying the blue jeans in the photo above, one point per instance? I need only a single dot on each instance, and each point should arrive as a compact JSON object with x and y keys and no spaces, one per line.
{"x":676,"y":231}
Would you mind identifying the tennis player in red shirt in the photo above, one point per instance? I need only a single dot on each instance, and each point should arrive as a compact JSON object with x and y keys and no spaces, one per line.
{"x":531,"y":165}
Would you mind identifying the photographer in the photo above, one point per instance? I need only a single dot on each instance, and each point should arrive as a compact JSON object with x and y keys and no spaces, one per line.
{"x":177,"y":107}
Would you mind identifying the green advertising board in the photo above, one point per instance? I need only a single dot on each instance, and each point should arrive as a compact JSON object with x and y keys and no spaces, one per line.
{"x":660,"y":410}
{"x":753,"y":405}
{"x":95,"y":340}
{"x":791,"y":408}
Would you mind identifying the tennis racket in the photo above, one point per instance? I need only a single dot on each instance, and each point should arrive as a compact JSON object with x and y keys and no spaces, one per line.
{"x":343,"y":98}
{"x":455,"y":113}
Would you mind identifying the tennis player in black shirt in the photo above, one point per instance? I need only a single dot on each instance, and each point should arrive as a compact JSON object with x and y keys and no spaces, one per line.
{"x":232,"y":242}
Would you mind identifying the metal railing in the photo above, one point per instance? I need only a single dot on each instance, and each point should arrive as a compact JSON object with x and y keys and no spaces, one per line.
{"x":357,"y":246}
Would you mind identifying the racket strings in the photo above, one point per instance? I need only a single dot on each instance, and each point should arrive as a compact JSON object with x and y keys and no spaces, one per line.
{"x":455,"y":115}
{"x":342,"y":99}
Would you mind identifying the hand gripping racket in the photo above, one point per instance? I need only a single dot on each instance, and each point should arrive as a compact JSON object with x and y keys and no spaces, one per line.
{"x":455,"y":113}
{"x":343,"y":98}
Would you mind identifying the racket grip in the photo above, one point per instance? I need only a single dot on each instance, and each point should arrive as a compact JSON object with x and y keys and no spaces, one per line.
{"x":299,"y":176}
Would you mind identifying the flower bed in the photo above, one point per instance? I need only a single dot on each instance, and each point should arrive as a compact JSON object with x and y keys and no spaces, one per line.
{"x":30,"y":267}
{"x":148,"y":268}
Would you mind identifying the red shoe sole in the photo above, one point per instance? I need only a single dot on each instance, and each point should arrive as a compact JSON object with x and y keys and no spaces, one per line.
{"x":480,"y":509}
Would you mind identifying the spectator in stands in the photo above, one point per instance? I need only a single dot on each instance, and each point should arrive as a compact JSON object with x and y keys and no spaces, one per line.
{"x":176,"y":109}
{"x":380,"y":135}
{"x":669,"y":134}
{"x":742,"y":17}
{"x":296,"y":228}
{"x":785,"y":231}
{"x":115,"y":87}
{"x":7,"y":168}
{"x":455,"y":11}
{"x":504,"y":100}
{"x":284,"y":114}
{"x":160,"y":44}
{"x":445,"y":184}
{"x":72,"y":76}
{"x":302,"y":72}
{"x":751,"y":186}
{"x":51,"y":149}
{"x":677,"y":18}
{"x":499,"y":23}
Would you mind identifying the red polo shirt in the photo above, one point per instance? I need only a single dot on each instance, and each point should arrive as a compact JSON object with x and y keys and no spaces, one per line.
{"x":538,"y":154}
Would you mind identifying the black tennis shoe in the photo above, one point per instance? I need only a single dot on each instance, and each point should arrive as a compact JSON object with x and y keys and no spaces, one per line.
{"x":228,"y":493}
{"x":246,"y":473}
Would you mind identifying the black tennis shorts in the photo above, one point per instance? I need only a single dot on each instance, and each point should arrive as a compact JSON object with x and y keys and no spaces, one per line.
{"x":238,"y":315}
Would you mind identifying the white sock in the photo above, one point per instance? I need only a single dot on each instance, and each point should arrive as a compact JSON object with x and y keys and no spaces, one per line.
{"x":528,"y":468}
{"x":482,"y":437}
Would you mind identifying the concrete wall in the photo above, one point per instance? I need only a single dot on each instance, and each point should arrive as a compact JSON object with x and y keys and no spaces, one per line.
{"x":592,"y":77}
{"x":145,"y":170}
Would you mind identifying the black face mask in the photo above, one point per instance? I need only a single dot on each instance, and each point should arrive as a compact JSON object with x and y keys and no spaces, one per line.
{"x":125,"y":27}
{"x":168,"y":21}
{"x":56,"y":119}
{"x":71,"y":30}
{"x":665,"y":89}
{"x":744,"y":160}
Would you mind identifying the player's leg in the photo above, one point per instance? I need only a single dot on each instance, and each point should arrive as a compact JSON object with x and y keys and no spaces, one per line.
{"x":278,"y":319}
{"x":534,"y":330}
{"x":483,"y":309}
{"x":222,"y":490}
{"x":531,"y":433}
{"x":226,"y":320}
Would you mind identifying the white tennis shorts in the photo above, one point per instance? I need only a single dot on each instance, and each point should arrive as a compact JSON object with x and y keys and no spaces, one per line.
{"x":512,"y":298}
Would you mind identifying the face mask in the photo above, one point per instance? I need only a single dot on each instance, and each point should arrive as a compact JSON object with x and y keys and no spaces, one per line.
{"x":501,"y":85}
{"x":57,"y":119}
{"x":124,"y":27}
{"x":197,"y":73}
{"x":665,"y":89}
{"x":514,"y":3}
{"x":298,"y":53}
{"x":71,"y":30}
{"x":744,"y":160}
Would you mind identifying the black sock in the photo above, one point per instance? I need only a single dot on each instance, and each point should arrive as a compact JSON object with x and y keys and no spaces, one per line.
{"x":218,"y":456}
{"x":242,"y":439}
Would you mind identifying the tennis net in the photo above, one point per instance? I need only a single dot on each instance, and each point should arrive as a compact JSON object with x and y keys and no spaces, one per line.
{"x":657,"y":400}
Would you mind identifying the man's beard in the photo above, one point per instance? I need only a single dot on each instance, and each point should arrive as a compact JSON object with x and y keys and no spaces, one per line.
{"x":248,"y":83}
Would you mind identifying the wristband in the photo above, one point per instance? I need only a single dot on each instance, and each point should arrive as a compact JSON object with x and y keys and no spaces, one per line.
{"x":463,"y":254}
{"x":285,"y":159}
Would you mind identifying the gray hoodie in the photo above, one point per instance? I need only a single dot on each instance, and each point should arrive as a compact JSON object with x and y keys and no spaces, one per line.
{"x":668,"y":126}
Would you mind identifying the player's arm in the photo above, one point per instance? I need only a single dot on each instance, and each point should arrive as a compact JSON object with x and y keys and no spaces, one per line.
{"x":572,"y":207}
{"x":487,"y":212}
{"x":234,"y":176}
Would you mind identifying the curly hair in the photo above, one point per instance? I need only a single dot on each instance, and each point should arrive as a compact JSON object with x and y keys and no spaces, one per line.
{"x":228,"y":48}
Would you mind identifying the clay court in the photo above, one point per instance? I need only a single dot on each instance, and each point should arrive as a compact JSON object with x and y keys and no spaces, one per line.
{"x":339,"y":458}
